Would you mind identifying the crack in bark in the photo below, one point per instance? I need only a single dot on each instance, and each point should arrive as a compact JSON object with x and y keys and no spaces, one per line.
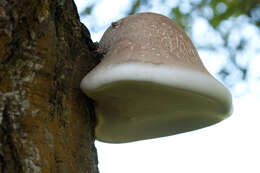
{"x":11,"y":160}
{"x":2,"y":164}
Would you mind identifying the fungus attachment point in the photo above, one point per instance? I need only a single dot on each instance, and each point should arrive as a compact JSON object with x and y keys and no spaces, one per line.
{"x":151,"y":83}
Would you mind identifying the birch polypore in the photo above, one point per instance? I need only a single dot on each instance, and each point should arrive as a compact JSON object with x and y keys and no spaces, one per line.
{"x":151,"y":82}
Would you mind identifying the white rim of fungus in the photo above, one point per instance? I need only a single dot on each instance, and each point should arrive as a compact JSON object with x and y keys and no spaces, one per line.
{"x":177,"y":77}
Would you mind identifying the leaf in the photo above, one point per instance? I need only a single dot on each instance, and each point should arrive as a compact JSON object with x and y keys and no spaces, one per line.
{"x":88,"y":10}
{"x":135,"y":7}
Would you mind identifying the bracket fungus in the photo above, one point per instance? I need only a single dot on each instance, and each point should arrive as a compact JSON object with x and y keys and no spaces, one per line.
{"x":151,"y":82}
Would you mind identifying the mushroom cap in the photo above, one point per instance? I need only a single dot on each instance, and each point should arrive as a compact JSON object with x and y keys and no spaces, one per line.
{"x":151,"y":82}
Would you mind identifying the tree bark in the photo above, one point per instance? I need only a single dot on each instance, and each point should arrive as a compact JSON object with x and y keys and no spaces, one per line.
{"x":46,"y":122}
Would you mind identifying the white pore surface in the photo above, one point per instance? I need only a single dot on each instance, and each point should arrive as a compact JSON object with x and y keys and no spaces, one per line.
{"x":168,"y":75}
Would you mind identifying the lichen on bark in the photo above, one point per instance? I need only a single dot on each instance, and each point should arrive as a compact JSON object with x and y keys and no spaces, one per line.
{"x":46,"y":122}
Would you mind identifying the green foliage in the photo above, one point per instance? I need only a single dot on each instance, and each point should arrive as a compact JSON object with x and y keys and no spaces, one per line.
{"x":88,"y":10}
{"x":234,"y":8}
{"x":135,"y":7}
{"x":222,"y":10}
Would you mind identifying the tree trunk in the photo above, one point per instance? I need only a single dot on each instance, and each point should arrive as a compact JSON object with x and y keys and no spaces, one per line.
{"x":46,"y":122}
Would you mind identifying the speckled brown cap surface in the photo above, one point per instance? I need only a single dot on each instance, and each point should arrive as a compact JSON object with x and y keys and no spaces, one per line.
{"x":149,"y":38}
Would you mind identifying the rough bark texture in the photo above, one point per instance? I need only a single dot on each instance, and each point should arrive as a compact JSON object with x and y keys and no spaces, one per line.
{"x":46,"y":122}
